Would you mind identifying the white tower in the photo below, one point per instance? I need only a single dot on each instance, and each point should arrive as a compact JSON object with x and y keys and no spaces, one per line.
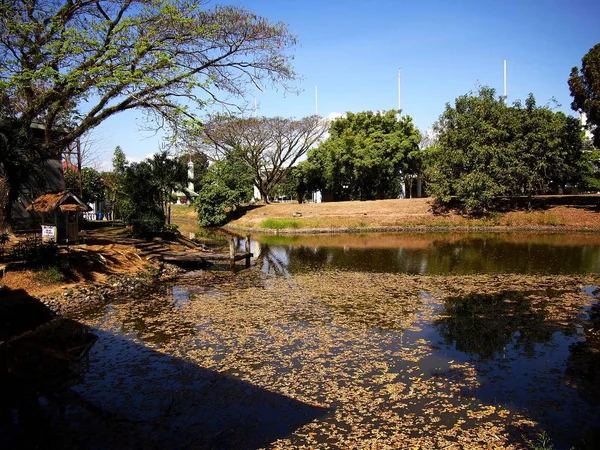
{"x":191,"y":176}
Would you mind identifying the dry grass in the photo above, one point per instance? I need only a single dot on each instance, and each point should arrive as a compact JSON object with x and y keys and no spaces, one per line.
{"x":409,"y":213}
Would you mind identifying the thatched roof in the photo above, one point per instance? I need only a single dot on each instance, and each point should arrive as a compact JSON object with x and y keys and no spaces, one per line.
{"x":65,"y":201}
{"x":74,"y":207}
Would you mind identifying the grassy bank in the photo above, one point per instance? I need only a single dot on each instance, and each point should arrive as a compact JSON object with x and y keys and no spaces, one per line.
{"x":549,"y":212}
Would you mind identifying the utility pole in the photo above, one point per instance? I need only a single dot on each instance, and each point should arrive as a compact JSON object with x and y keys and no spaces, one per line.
{"x":399,"y":88}
{"x":79,"y":168}
{"x":316,"y":100}
{"x":504,"y":81}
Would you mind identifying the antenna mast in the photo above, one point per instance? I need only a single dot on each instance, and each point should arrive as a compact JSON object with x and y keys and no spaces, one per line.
{"x":399,"y":88}
{"x":505,"y":81}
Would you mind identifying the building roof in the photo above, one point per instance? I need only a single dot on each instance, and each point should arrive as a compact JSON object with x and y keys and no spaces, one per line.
{"x":64,"y":201}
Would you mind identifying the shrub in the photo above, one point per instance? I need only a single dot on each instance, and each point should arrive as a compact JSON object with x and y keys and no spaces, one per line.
{"x":147,"y":225}
{"x":50,"y":275}
{"x":35,"y":252}
{"x":280,"y":224}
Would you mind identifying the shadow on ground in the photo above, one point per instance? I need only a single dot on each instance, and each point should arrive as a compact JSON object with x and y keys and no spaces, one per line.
{"x":126,"y":396}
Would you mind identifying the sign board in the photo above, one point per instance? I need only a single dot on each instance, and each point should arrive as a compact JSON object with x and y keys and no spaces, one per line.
{"x":48,"y":233}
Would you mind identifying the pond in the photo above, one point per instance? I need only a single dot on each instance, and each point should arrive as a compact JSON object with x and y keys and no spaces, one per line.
{"x":354,"y":341}
{"x":433,"y":253}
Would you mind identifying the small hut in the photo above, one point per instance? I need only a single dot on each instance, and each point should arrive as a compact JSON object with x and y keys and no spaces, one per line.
{"x":60,"y":209}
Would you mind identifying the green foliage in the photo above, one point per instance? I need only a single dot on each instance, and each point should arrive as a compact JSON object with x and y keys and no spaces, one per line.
{"x":227,"y":184}
{"x":93,"y":188}
{"x":142,"y":190}
{"x":486,"y":149}
{"x":147,"y":224}
{"x":35,"y":252}
{"x":141,"y":203}
{"x":280,"y":224}
{"x":290,"y":186}
{"x":590,"y":170}
{"x":168,"y":175}
{"x":50,"y":275}
{"x":584,"y":85}
{"x":541,"y":442}
{"x":364,"y":156}
{"x":114,"y":183}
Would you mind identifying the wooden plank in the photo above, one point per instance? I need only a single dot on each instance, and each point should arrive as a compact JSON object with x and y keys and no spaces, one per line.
{"x":202,"y":256}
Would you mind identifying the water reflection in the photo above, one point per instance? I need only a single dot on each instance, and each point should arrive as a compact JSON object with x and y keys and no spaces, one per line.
{"x":434,"y":253}
{"x":485,"y":325}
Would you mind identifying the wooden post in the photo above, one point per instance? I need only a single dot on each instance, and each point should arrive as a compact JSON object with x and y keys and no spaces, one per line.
{"x":247,"y":247}
{"x":78,"y":147}
{"x":232,"y":254}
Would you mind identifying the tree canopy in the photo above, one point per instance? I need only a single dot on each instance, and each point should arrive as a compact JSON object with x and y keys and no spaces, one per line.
{"x":92,"y":184}
{"x":486,"y":149}
{"x":66,"y":66}
{"x":270,"y":146}
{"x":584,"y":84}
{"x":364,"y":156}
{"x":226,"y":185}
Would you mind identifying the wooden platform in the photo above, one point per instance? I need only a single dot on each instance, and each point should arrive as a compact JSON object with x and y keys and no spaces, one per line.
{"x":204,"y":258}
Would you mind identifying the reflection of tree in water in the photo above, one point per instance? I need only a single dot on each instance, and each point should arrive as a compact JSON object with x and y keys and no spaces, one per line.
{"x":583,"y":366}
{"x":273,"y":263}
{"x":484,"y":324}
{"x":441,"y":256}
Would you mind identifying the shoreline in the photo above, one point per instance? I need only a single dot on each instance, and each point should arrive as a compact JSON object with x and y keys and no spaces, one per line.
{"x":416,"y":229}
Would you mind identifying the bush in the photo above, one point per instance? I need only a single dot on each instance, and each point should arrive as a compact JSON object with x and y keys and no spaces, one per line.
{"x":35,"y":252}
{"x":50,"y":275}
{"x":225,"y":187}
{"x":147,"y":225}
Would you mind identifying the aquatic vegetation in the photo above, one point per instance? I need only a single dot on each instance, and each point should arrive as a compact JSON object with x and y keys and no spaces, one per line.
{"x":389,"y":360}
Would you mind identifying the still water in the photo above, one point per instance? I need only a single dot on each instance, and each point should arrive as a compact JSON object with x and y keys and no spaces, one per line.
{"x":434,"y":253}
{"x":353,"y":341}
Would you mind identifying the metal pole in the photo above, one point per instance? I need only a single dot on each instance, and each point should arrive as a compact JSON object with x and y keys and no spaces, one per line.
{"x":399,"y":88}
{"x":316,"y":100}
{"x":504,"y":80}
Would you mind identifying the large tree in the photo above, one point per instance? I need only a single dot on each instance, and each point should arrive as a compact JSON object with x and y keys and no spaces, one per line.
{"x":584,"y":84}
{"x":169,"y":175}
{"x":92,"y":185}
{"x":366,"y":156}
{"x":66,"y":66}
{"x":270,"y":146}
{"x":226,"y":185}
{"x":486,"y":150}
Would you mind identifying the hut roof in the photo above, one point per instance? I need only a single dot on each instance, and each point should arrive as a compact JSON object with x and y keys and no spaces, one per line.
{"x":65,"y":201}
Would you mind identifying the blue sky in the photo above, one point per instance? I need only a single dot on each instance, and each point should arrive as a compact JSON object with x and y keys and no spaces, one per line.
{"x":352,"y":50}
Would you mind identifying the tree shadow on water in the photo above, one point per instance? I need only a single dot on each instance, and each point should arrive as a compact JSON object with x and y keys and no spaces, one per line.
{"x":527,"y":350}
{"x":127,"y":396}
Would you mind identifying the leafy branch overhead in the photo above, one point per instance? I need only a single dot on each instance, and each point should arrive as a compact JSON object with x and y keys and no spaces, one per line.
{"x":82,"y":62}
{"x":584,"y":84}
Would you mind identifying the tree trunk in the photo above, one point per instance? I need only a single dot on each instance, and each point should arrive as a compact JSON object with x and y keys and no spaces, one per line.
{"x":263,"y":194}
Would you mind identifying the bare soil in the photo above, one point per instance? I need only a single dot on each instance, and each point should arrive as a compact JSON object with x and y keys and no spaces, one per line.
{"x":552,"y":212}
{"x":105,"y":252}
